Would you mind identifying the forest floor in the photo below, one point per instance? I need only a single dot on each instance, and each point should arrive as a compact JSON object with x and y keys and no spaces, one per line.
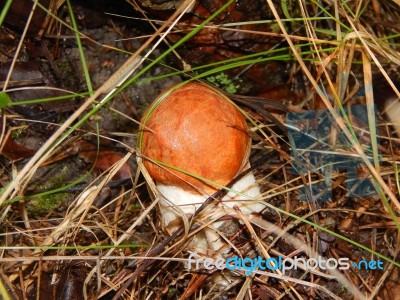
{"x":77,"y":216}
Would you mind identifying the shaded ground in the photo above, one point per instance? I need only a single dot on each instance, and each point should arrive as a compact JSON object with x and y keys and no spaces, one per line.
{"x":51,"y":59}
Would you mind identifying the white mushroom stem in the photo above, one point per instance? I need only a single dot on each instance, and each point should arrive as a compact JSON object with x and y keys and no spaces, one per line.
{"x":244,"y":194}
{"x":392,"y":110}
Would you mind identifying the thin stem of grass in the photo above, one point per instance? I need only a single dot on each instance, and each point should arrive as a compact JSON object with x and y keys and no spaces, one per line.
{"x":4,"y":11}
{"x":80,"y":48}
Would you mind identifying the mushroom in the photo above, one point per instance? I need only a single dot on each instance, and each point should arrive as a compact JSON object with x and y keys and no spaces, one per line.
{"x":194,"y":141}
{"x":392,"y":110}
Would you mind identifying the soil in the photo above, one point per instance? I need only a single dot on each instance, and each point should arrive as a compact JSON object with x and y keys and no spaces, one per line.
{"x":49,"y":66}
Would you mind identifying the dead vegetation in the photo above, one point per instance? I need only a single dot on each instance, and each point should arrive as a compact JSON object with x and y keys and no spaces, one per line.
{"x":77,"y":215}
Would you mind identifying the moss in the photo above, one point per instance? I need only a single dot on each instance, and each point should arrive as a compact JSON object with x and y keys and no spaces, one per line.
{"x":50,"y":201}
{"x":46,"y":202}
{"x":224,"y":82}
{"x":16,"y":133}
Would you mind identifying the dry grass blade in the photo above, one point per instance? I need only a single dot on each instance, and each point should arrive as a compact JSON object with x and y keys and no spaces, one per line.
{"x":114,"y":81}
{"x":335,"y":115}
{"x":76,"y":214}
{"x":317,"y":87}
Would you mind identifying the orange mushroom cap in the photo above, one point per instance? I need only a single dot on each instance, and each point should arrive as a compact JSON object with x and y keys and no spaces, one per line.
{"x":196,"y":129}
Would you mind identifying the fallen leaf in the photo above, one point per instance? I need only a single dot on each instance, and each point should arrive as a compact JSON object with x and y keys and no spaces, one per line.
{"x":13,"y":151}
